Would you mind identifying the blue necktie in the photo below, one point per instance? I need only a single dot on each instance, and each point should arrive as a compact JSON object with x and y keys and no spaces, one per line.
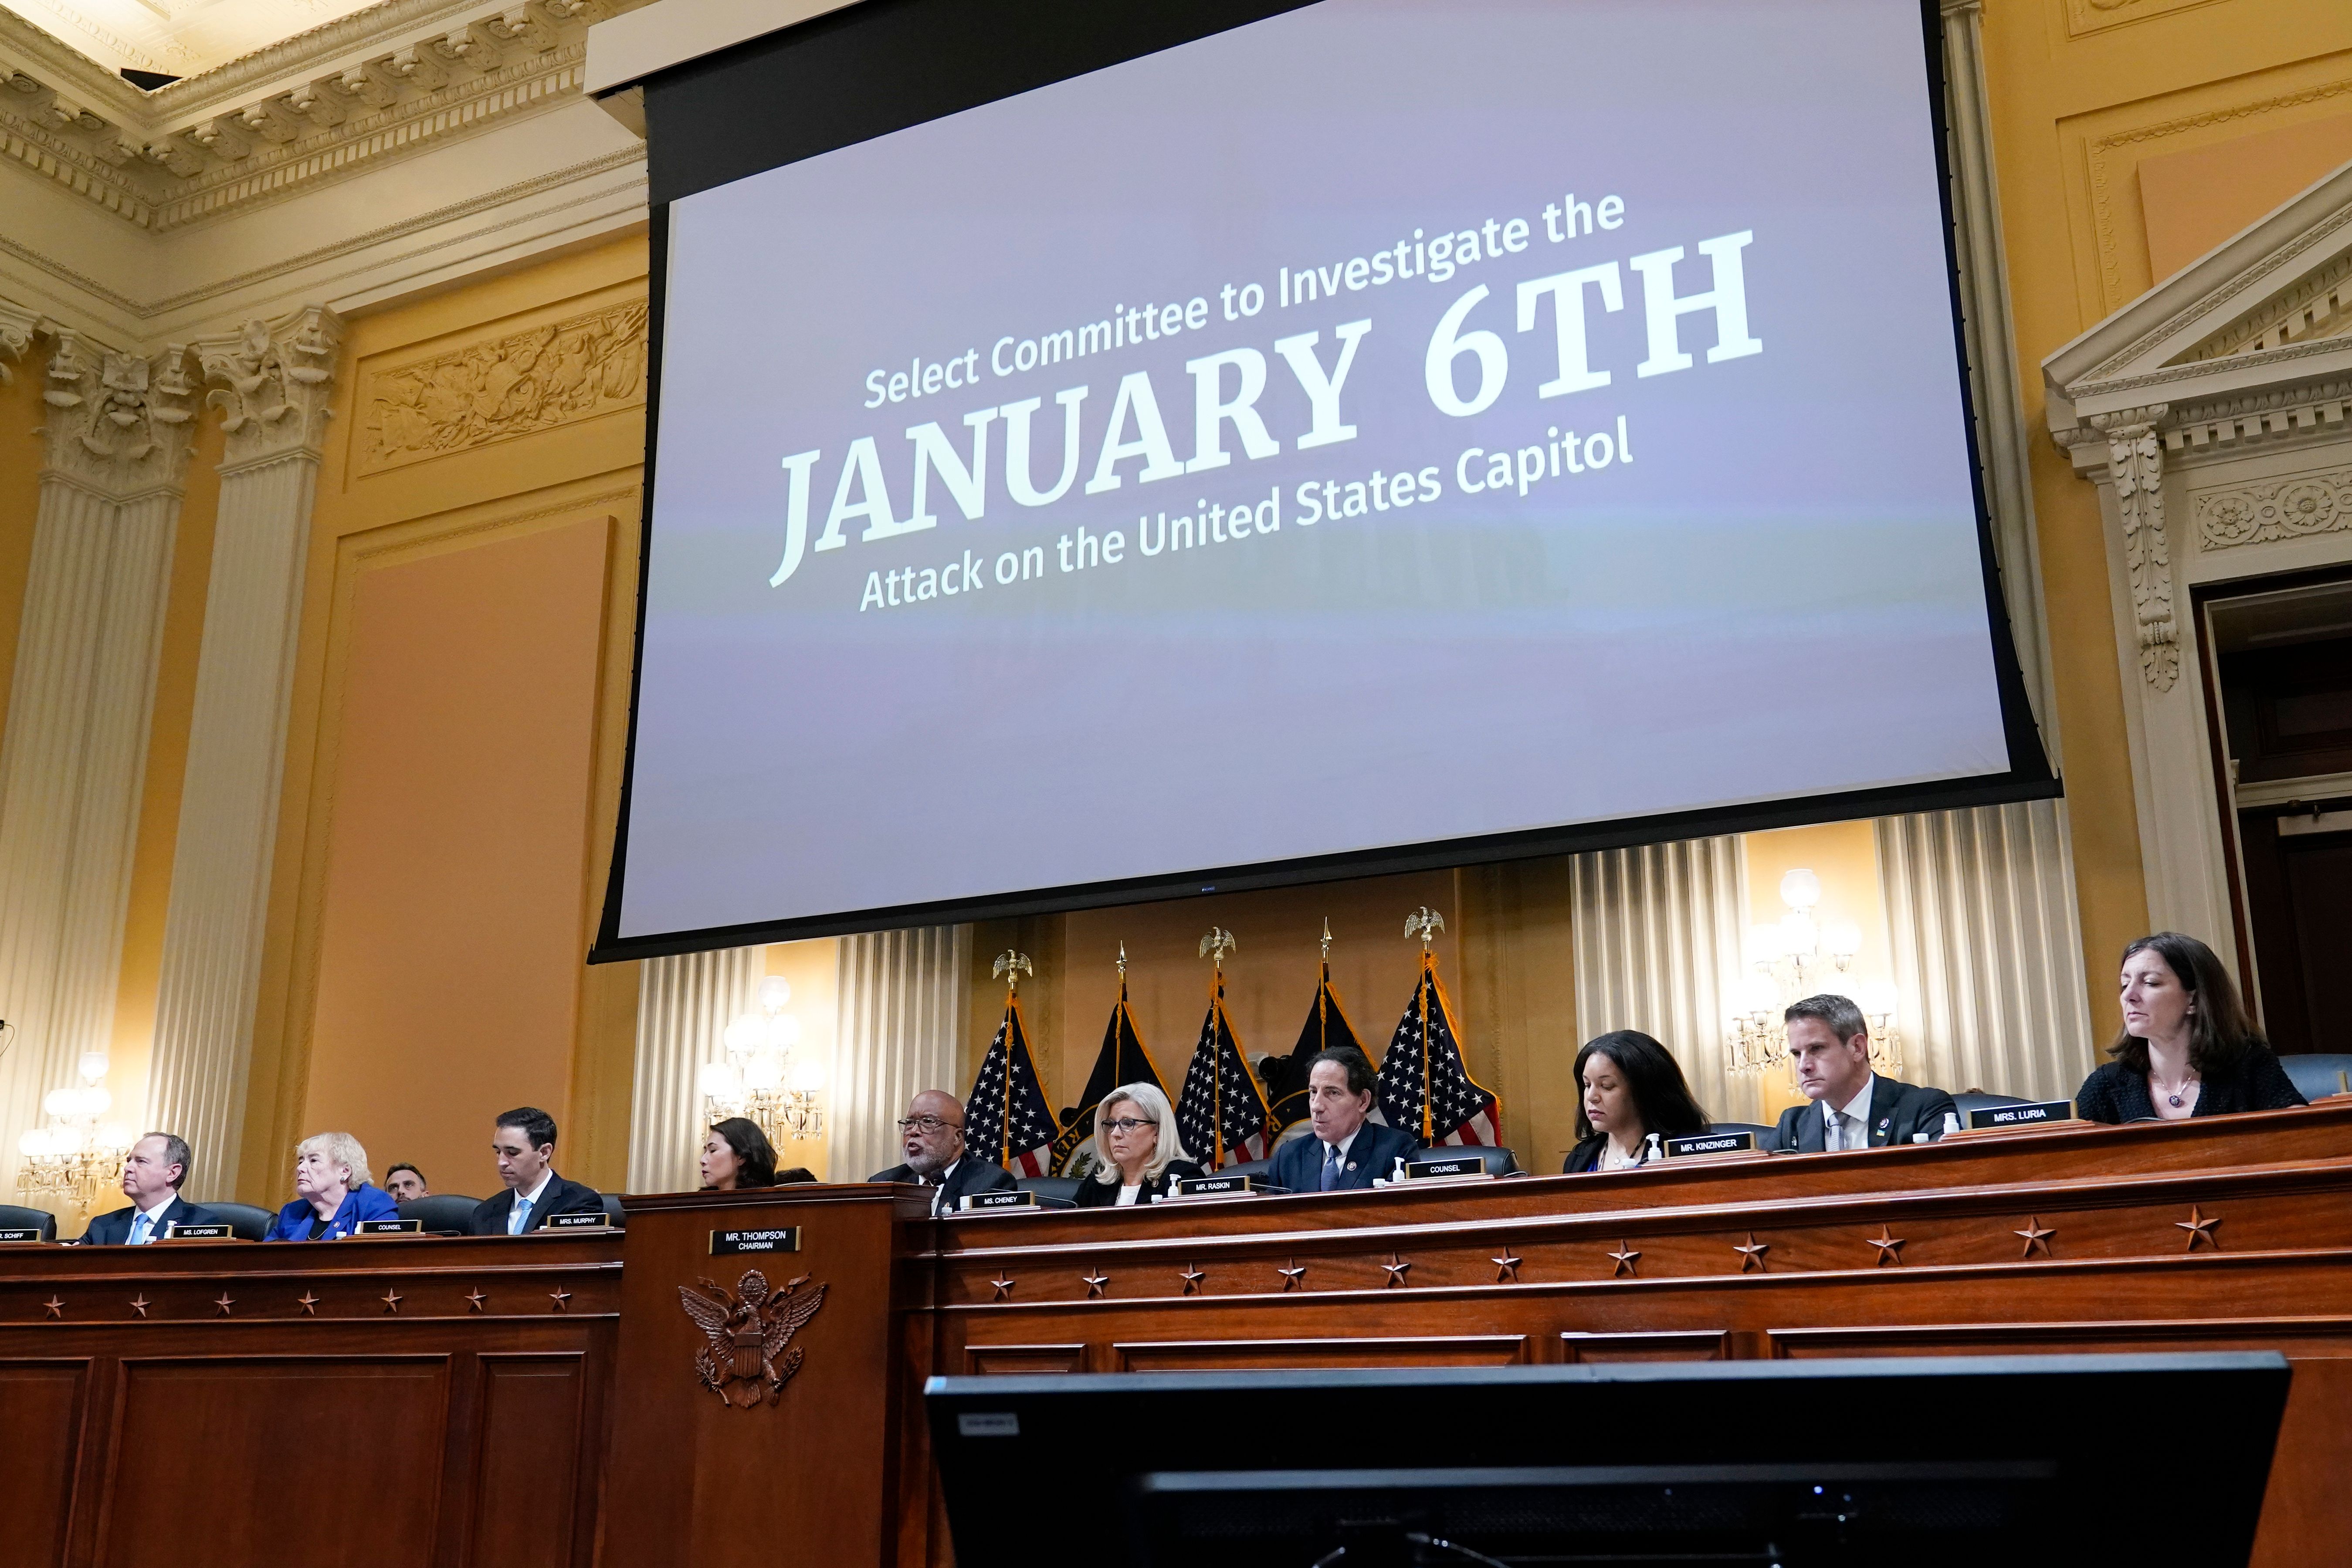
{"x":1330,"y":1166}
{"x":139,"y":1228}
{"x":520,"y":1217}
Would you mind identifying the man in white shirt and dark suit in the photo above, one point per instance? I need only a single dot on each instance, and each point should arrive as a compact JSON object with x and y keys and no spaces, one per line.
{"x":1848,"y":1106}
{"x":524,"y":1144}
{"x":931,"y":1133}
{"x":152,"y":1176}
{"x":1348,"y":1150}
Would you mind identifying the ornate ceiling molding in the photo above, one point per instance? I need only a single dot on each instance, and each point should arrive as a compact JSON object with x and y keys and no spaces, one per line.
{"x":374,"y":86}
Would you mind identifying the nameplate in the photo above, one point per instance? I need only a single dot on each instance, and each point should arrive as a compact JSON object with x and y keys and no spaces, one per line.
{"x":1010,"y":1198}
{"x":782,"y":1238}
{"x":1995,"y":1116}
{"x":180,"y":1230}
{"x":1212,"y":1186}
{"x":15,"y":1234}
{"x":389,"y":1227}
{"x":599,"y":1220}
{"x":1710,"y":1143}
{"x":1463,"y":1165}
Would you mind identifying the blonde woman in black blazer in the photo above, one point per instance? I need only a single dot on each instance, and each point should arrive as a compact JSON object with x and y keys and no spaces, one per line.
{"x":1136,"y":1131}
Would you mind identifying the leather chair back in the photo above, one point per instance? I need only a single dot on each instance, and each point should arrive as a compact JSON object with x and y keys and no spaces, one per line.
{"x":246,"y":1222}
{"x":443,"y":1214}
{"x":2318,"y":1073}
{"x":14,"y":1218}
{"x":1498,"y":1162}
{"x":1053,"y":1192}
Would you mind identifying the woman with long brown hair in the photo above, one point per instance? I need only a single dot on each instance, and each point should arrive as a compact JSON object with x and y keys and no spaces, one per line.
{"x":2187,"y":1048}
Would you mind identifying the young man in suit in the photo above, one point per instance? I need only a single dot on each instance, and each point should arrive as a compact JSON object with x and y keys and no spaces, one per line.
{"x":1346,"y":1151}
{"x":151,"y":1174}
{"x":932,"y":1135}
{"x":1847,"y":1106}
{"x":524,"y":1142}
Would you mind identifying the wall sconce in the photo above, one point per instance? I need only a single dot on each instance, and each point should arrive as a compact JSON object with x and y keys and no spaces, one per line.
{"x":1787,"y":956}
{"x":766,"y":1075}
{"x":75,"y":1158}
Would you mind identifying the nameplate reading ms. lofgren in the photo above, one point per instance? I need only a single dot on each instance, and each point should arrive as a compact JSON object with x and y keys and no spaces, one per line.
{"x":1710,"y":1143}
{"x":180,"y":1230}
{"x":786,"y":1238}
{"x":2020,"y":1115}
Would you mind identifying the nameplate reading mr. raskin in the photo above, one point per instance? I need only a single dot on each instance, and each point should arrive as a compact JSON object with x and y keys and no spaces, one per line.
{"x":1710,"y":1143}
{"x":389,"y":1227}
{"x":1213,"y":1186}
{"x":179,"y":1230}
{"x":1461,"y":1165}
{"x":1010,"y":1198}
{"x":599,"y":1220}
{"x":2020,"y":1115}
{"x":14,"y":1234}
{"x":784,"y":1239}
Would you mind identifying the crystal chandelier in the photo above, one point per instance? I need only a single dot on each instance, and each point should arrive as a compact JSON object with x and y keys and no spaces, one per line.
{"x":766,"y":1075}
{"x":75,"y":1158}
{"x":1787,"y":963}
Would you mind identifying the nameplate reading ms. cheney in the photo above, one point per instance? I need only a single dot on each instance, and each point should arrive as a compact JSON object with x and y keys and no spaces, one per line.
{"x":747,"y":1328}
{"x":784,"y":1238}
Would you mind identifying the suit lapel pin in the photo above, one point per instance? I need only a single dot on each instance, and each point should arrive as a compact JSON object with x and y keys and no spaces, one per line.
{"x":1351,"y":1165}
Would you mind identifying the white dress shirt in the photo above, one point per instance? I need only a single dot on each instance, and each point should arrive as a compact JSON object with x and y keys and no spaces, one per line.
{"x":939,"y":1186}
{"x":1128,"y":1195}
{"x":1848,"y":1127}
{"x":154,"y":1217}
{"x":519,"y":1217}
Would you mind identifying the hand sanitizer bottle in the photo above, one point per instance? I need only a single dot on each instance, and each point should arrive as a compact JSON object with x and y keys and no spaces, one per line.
{"x":1951,"y":1123}
{"x":1654,"y":1153}
{"x":1398,"y":1174}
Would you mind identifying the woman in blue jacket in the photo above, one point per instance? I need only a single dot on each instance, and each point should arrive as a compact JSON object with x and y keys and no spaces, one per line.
{"x":330,"y":1175}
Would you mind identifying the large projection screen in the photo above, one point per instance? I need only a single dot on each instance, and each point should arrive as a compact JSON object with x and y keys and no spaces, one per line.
{"x":1383,"y":433}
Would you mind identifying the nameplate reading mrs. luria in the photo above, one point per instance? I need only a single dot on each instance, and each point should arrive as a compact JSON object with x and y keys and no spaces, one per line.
{"x":599,"y":1220}
{"x":2020,"y":1115}
{"x":180,"y":1230}
{"x":389,"y":1227}
{"x":15,"y":1234}
{"x":1009,"y":1198}
{"x":1459,"y":1165}
{"x":1711,"y":1143}
{"x":785,"y":1238}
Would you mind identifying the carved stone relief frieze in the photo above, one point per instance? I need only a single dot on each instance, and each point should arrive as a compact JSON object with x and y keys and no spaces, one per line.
{"x":120,"y":423}
{"x":2136,"y":461}
{"x":2292,"y":507}
{"x":512,"y":386}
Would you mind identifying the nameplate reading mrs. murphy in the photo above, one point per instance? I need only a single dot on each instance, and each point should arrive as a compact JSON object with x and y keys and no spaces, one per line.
{"x":784,"y":1238}
{"x":596,"y":1220}
{"x":2020,"y":1115}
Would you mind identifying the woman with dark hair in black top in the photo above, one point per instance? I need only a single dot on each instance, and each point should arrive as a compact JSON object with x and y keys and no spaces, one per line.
{"x":738,"y":1154}
{"x":2186,"y":1046}
{"x":1631,"y":1089}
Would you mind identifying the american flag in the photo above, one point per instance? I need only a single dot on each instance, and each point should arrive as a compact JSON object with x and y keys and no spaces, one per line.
{"x":1223,"y":1115}
{"x":1006,"y":1118}
{"x":1285,"y":1076}
{"x":1122,"y":1061}
{"x":1425,"y":1088}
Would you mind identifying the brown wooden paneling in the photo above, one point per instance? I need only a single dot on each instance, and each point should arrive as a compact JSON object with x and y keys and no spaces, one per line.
{"x":228,"y":1461}
{"x":527,"y":1464}
{"x":1665,"y":1346}
{"x":984,"y":1360}
{"x":1282,"y":1355}
{"x":41,"y":1405}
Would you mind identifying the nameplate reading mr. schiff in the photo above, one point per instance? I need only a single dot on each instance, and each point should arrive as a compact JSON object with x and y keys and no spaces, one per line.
{"x":596,"y":1221}
{"x":1009,"y":1198}
{"x":180,"y":1230}
{"x":2020,"y":1115}
{"x":14,"y":1234}
{"x":1711,"y":1143}
{"x":784,"y":1238}
{"x":389,"y":1227}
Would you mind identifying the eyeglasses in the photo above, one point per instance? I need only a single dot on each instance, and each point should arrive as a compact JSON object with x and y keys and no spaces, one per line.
{"x":928,"y":1123}
{"x":1128,"y":1123}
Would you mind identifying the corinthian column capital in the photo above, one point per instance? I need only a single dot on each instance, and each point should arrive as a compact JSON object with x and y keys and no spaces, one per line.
{"x":272,"y":380}
{"x":17,"y":326}
{"x":119,"y":423}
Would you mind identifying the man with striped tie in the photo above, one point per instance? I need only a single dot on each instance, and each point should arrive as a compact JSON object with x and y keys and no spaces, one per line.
{"x":151,"y":1174}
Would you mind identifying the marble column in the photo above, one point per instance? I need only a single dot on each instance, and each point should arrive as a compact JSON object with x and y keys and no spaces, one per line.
{"x":684,"y":1005}
{"x":115,"y":449}
{"x":900,"y":1018}
{"x":272,"y":380}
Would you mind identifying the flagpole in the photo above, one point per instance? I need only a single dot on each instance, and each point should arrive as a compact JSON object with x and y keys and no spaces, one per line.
{"x":1213,"y":947}
{"x":1425,"y":922}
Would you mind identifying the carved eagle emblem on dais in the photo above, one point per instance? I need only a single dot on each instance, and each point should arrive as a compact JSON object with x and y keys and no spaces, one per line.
{"x":750,"y":1327}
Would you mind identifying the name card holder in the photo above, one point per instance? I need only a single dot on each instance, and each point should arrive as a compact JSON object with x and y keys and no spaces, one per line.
{"x":1191,"y":1189}
{"x":1460,"y":1168}
{"x":1712,"y":1146}
{"x":598,"y":1220}
{"x":782,"y":1238}
{"x":181,"y":1230}
{"x":16,"y":1234}
{"x":986,"y":1203}
{"x":389,"y":1227}
{"x":2016,"y":1118}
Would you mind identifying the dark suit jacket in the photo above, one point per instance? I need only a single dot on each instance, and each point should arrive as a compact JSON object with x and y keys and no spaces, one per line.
{"x":1094,"y":1195}
{"x":2255,"y":1082}
{"x":561,"y":1197}
{"x":1898,"y":1109}
{"x":970,"y":1174}
{"x":1298,"y":1165}
{"x":113,"y":1228}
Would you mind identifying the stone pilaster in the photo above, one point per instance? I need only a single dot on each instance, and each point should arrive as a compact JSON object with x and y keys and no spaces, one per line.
{"x":272,"y":380}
